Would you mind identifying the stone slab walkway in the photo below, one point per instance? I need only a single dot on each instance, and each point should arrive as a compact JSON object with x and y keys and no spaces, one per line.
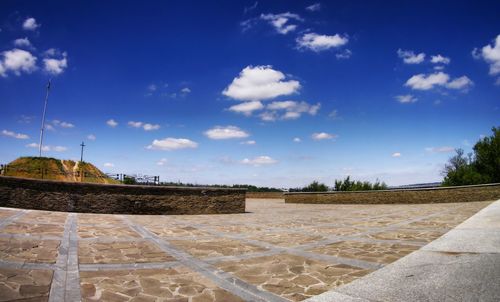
{"x":274,"y":252}
{"x":462,"y":265}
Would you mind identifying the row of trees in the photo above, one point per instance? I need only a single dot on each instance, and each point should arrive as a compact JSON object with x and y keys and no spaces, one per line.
{"x":345,"y":184}
{"x":478,"y":167}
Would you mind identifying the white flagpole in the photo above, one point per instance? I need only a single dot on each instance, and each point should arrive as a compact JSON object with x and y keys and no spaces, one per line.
{"x":43,"y":121}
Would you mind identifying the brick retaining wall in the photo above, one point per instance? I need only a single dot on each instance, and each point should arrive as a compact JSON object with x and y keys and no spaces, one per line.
{"x":117,"y":199}
{"x":406,"y":196}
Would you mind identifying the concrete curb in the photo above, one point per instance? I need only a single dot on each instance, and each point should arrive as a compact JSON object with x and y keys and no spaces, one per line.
{"x":462,"y":265}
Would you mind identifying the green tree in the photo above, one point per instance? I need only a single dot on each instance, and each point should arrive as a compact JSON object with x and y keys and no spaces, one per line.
{"x":315,"y":186}
{"x":349,"y":185}
{"x":487,"y":156}
{"x":482,"y":166}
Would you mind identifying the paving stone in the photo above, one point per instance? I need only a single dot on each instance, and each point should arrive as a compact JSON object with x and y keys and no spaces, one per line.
{"x":58,"y":218}
{"x":99,"y":219}
{"x":215,"y":247}
{"x":28,"y":250}
{"x":34,"y":229}
{"x":373,"y":252}
{"x":120,"y":252}
{"x":176,"y":231}
{"x":278,"y":251}
{"x":287,"y":239}
{"x":6,"y":213}
{"x":423,"y":236}
{"x":18,"y":284}
{"x":292,"y":277}
{"x":86,"y":231}
{"x":179,"y":284}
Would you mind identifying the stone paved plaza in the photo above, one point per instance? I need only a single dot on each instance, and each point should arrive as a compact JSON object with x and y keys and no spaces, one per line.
{"x":274,"y":252}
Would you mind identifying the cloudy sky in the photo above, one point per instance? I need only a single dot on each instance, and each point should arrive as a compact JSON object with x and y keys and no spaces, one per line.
{"x":271,"y":93}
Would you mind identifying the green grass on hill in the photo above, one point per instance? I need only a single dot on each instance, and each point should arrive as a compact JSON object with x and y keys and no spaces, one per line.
{"x":56,"y":169}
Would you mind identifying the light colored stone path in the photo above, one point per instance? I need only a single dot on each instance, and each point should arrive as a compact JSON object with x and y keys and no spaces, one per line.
{"x":274,"y":252}
{"x":462,"y":265}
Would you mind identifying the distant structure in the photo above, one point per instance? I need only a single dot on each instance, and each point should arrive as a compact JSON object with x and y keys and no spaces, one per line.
{"x":43,"y":120}
{"x":81,"y":154}
{"x":417,"y":186}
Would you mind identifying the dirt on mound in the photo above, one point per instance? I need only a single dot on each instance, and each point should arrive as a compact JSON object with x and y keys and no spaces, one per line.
{"x":56,"y":169}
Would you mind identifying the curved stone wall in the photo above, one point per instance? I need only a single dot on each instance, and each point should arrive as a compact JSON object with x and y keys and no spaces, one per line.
{"x":265,"y":195}
{"x":404,"y":196}
{"x":117,"y":199}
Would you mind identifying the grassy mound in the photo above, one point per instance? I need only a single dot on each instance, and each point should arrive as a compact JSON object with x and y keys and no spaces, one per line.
{"x":56,"y":169}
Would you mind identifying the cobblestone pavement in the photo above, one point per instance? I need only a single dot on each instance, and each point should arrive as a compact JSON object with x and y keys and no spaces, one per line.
{"x":274,"y":252}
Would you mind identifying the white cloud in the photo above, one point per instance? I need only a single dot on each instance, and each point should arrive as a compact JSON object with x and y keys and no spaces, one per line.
{"x":315,"y":42}
{"x":280,"y":22}
{"x":396,"y":154}
{"x":405,"y":99}
{"x":66,"y":125}
{"x":426,"y":82}
{"x":185,"y":90}
{"x":346,"y":54}
{"x":293,"y":109}
{"x":443,"y":149}
{"x":109,"y":165}
{"x":145,"y":126}
{"x":297,"y":140}
{"x":247,"y":108}
{"x":227,"y":132}
{"x":250,"y":142}
{"x":91,"y":137}
{"x":322,"y":136}
{"x":50,"y":127}
{"x":56,"y":66}
{"x":22,"y":42}
{"x":462,"y":82}
{"x":30,"y":24}
{"x":51,"y":52}
{"x":250,"y":8}
{"x":409,"y":57}
{"x":334,"y":115}
{"x":47,"y":148}
{"x":260,"y":83}
{"x":171,"y":143}
{"x":14,"y":134}
{"x":58,"y":123}
{"x":314,"y":7}
{"x":162,"y":162}
{"x":491,"y":54}
{"x":439,"y":59}
{"x":281,"y":105}
{"x":247,"y":24}
{"x":58,"y":148}
{"x":135,"y":124}
{"x":17,"y":61}
{"x":150,"y":127}
{"x":259,"y":161}
{"x":112,"y":123}
{"x":152,"y":87}
{"x":35,"y":145}
{"x":268,"y":116}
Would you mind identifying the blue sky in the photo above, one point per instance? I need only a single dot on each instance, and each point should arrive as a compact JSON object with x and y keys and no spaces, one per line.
{"x":275,"y":93}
